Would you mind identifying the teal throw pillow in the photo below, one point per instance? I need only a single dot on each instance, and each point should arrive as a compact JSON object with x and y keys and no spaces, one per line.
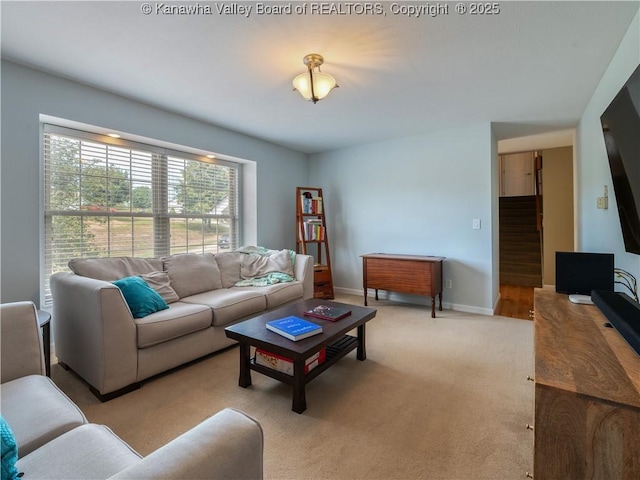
{"x":141,"y":298}
{"x":9,"y":451}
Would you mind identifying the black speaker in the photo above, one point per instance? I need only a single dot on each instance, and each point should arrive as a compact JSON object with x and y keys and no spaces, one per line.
{"x":623,"y":313}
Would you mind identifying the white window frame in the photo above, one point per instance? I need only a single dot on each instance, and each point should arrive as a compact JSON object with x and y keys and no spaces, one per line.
{"x":161,"y":213}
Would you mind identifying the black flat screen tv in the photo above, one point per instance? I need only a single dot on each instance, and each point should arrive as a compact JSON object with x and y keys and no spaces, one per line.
{"x":621,"y":129}
{"x":582,"y":272}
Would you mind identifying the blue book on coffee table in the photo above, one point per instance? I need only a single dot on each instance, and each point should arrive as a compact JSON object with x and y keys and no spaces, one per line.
{"x":294,"y":328}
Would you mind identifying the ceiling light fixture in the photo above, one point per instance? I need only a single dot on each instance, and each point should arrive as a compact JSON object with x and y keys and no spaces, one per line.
{"x":113,"y":135}
{"x":314,"y":85}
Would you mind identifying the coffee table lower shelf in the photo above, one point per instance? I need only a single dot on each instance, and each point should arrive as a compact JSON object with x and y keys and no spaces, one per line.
{"x":334,"y":352}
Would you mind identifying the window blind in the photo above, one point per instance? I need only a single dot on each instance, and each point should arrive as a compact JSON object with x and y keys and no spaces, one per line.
{"x":107,"y":197}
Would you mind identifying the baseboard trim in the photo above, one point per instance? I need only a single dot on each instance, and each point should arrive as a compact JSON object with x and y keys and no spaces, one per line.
{"x":467,"y":308}
{"x":496,"y":303}
{"x":413,"y":300}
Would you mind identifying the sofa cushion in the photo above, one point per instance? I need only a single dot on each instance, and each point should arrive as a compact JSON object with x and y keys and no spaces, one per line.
{"x":229,"y":264}
{"x":161,"y":283}
{"x":230,"y":304}
{"x":141,"y":298}
{"x":49,"y":415}
{"x":279,"y":293}
{"x":9,"y":451}
{"x":192,"y":273}
{"x":178,"y":320}
{"x":89,"y":451}
{"x":113,"y":268}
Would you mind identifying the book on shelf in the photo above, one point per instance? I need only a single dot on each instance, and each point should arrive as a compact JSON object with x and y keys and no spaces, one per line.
{"x":313,"y":229}
{"x":325,"y":312}
{"x":294,"y":328}
{"x":310,"y":205}
{"x":316,"y":205}
{"x":284,"y":364}
{"x":305,"y":203}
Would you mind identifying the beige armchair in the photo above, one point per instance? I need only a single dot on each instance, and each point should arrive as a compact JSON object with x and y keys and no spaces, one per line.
{"x":35,"y":408}
{"x":21,"y":342}
{"x":55,"y":441}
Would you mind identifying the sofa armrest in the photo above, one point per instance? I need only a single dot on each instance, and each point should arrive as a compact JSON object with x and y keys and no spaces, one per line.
{"x":94,"y":331}
{"x":303,"y":270}
{"x":228,"y":445}
{"x":21,"y":349}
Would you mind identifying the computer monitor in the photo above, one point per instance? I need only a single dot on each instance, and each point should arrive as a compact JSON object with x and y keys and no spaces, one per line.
{"x":581,"y":272}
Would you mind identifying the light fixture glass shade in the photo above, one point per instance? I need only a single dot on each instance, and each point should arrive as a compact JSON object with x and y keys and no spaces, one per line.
{"x":302,"y":84}
{"x":323,"y":83}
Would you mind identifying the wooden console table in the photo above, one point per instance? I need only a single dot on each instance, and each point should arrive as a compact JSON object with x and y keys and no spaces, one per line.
{"x":587,"y":394}
{"x":416,"y":274}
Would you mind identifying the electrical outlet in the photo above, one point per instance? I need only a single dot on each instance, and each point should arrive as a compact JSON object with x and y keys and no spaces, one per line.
{"x":603,"y":202}
{"x":448,"y":283}
{"x":476,"y":224}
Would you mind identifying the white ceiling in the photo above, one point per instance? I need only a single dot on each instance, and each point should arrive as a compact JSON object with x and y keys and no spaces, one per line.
{"x":531,"y":68}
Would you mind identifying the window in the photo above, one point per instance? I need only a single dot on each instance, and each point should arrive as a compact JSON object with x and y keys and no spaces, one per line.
{"x":108,"y":198}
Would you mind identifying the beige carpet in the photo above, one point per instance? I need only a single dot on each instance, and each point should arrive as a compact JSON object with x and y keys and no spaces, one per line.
{"x":443,"y":398}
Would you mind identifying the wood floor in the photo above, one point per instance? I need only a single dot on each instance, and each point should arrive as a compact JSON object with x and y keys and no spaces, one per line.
{"x":516,"y":301}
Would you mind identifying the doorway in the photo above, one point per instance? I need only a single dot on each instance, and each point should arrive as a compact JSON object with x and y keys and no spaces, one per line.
{"x":520,"y":218}
{"x":557,"y":205}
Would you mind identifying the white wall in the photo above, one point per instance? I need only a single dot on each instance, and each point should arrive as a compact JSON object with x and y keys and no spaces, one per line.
{"x":415,"y":195}
{"x":599,"y":230}
{"x":27,"y":94}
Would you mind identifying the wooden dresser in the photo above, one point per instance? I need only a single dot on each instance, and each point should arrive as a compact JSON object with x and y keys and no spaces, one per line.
{"x":416,"y":274}
{"x":587,"y":394}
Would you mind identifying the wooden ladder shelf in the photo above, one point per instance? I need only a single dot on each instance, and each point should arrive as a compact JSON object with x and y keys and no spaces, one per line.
{"x":312,"y":239}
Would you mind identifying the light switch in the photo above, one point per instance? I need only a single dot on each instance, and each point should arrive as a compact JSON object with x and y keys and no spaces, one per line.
{"x":476,"y":224}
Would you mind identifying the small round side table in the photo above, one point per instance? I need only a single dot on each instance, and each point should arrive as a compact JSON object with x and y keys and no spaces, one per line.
{"x":44,"y":320}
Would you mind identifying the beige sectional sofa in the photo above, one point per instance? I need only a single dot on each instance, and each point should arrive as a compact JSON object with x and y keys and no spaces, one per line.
{"x":54,"y":439}
{"x":96,"y":335}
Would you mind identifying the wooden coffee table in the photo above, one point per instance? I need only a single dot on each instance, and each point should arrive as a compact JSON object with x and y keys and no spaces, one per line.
{"x":334,"y":338}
